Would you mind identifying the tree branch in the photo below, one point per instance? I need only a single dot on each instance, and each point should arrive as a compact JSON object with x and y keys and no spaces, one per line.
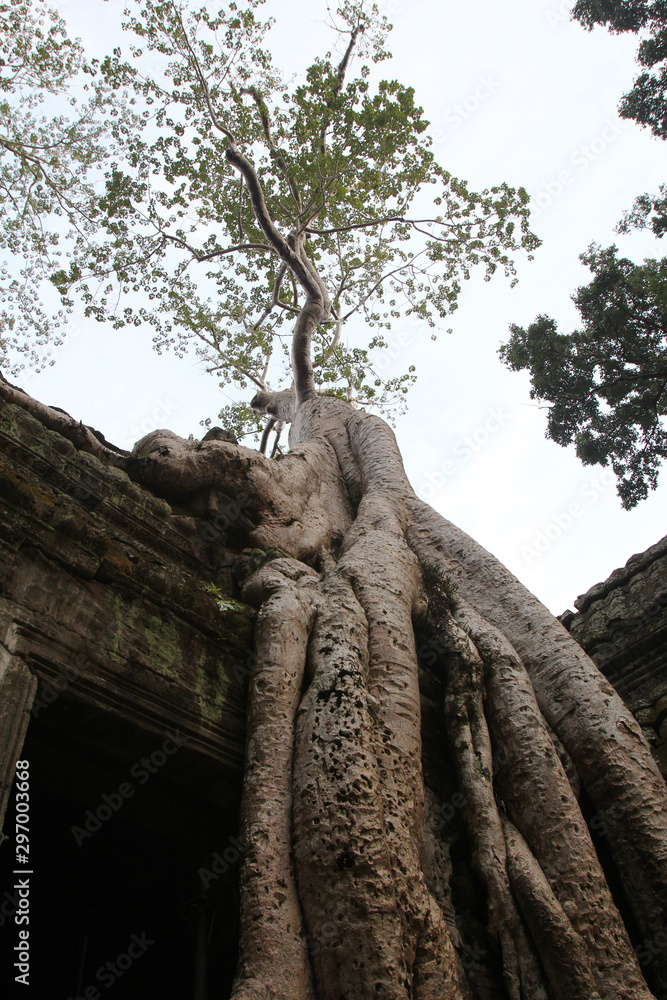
{"x":354,"y":225}
{"x":278,"y":242}
{"x":335,"y":340}
{"x":377,"y":284}
{"x":275,"y":300}
{"x":214,"y":253}
{"x":340,"y":79}
{"x":275,"y":152}
{"x":201,"y":78}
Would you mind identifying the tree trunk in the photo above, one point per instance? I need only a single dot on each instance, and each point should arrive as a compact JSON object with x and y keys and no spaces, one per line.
{"x":374,"y":610}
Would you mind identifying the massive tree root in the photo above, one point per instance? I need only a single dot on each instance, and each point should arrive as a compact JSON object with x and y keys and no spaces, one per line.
{"x":525,"y":712}
{"x":347,"y":892}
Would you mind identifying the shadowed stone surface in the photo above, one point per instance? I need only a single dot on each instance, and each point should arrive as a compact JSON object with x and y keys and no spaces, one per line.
{"x":622,"y":625}
{"x":105,"y":609}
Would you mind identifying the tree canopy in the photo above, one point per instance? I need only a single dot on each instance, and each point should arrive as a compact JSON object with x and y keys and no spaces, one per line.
{"x":606,"y":384}
{"x":230,"y":187}
{"x":648,"y":212}
{"x":51,"y":142}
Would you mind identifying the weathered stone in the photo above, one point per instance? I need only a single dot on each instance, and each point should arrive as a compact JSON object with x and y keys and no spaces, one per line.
{"x":112,"y":600}
{"x":17,"y":692}
{"x":622,"y":625}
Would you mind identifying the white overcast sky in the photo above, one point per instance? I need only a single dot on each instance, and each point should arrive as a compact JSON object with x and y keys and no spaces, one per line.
{"x":515,"y":92}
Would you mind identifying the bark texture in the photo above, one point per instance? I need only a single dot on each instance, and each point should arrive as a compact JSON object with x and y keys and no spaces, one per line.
{"x":526,"y":715}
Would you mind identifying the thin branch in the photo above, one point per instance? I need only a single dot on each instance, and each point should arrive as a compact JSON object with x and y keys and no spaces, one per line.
{"x":340,"y":79}
{"x":266,"y":367}
{"x":287,"y":307}
{"x":355,"y":225}
{"x":396,"y":270}
{"x":214,"y":253}
{"x":342,"y":68}
{"x":282,"y":270}
{"x":275,"y":152}
{"x":35,"y":166}
{"x":415,"y":223}
{"x":241,"y":371}
{"x":319,"y":362}
{"x":298,"y":263}
{"x":259,"y":382}
{"x":202,"y":79}
{"x":241,"y":233}
{"x":295,"y":291}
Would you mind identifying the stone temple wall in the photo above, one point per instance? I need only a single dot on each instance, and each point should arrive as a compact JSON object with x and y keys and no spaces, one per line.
{"x":124,"y":664}
{"x":622,"y":625}
{"x":107,"y":601}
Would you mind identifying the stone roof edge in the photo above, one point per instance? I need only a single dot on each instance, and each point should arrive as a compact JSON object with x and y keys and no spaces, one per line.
{"x":635,"y":564}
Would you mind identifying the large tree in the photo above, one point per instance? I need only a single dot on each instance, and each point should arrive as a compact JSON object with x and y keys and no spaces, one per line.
{"x":604,"y":385}
{"x":300,"y":205}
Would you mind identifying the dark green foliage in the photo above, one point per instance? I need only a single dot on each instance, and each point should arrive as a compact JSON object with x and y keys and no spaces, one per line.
{"x":442,"y":590}
{"x":646,"y":102}
{"x":354,"y":495}
{"x":648,"y":212}
{"x":606,"y":384}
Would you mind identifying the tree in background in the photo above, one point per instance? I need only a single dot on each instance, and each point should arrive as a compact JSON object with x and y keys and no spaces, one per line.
{"x":299,"y":204}
{"x":645,"y":103}
{"x":648,"y":212}
{"x":606,"y":384}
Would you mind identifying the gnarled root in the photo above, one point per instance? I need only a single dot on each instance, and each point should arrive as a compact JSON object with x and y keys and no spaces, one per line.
{"x":345,"y":876}
{"x":273,"y":958}
{"x":471,"y":745}
{"x":601,"y":737}
{"x":335,"y":903}
{"x":535,"y":790}
{"x":562,"y":951}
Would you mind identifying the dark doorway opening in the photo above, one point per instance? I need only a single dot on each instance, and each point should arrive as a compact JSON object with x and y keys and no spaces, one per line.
{"x":121,"y":829}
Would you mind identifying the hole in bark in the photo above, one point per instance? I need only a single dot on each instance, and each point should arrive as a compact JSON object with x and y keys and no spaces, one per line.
{"x":345,"y":860}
